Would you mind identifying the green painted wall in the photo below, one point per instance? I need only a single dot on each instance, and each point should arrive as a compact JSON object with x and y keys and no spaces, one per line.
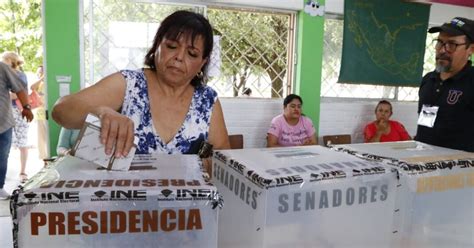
{"x":61,"y":36}
{"x":309,"y":63}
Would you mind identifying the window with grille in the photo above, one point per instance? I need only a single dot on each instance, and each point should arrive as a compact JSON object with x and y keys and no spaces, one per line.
{"x":251,"y":49}
{"x":333,"y":30}
{"x":254,"y":47}
{"x":117,"y":34}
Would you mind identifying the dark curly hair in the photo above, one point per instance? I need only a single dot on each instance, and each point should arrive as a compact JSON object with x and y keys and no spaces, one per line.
{"x":183,"y":22}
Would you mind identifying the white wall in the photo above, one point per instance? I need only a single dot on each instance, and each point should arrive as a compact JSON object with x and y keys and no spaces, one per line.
{"x":349,"y":116}
{"x":251,"y":117}
{"x":441,"y":13}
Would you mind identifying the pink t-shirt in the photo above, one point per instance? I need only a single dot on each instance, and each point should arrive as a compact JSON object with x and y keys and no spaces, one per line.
{"x":291,"y":135}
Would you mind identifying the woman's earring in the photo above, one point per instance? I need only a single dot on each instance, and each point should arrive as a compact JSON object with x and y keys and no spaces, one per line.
{"x":200,"y":75}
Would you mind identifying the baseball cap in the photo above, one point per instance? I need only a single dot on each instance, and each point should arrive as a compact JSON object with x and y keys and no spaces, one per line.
{"x":457,"y":26}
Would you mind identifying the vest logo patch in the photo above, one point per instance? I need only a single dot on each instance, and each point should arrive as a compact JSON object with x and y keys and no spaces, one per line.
{"x":453,"y":96}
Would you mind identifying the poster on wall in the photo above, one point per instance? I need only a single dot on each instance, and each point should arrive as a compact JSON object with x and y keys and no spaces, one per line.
{"x":384,"y":42}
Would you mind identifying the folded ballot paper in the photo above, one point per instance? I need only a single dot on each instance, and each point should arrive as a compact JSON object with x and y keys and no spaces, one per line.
{"x":89,"y":147}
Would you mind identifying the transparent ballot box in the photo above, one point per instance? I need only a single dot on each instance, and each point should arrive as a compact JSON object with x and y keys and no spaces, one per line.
{"x":162,"y":201}
{"x":303,"y":197}
{"x":435,"y":195}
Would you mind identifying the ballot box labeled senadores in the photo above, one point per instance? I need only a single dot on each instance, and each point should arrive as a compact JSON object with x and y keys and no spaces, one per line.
{"x":435,"y":198}
{"x":162,"y":201}
{"x":303,"y":197}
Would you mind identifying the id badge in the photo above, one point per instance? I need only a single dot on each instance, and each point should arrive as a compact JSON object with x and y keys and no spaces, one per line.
{"x":428,"y":115}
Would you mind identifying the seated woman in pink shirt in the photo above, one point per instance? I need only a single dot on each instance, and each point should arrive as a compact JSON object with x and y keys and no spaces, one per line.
{"x":291,"y":128}
{"x":383,"y":129}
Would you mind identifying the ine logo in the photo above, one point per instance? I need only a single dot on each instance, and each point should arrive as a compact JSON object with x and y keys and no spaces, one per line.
{"x":221,"y":157}
{"x":257,"y":179}
{"x":166,"y":192}
{"x":100,"y":193}
{"x":288,"y":180}
{"x":194,"y":194}
{"x":327,"y":175}
{"x":119,"y":195}
{"x":30,"y":196}
{"x":368,"y":171}
{"x":165,"y":195}
{"x":52,"y":197}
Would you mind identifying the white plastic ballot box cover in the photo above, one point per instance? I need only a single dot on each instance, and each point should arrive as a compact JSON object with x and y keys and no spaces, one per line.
{"x":303,"y":197}
{"x":163,"y":201}
{"x":435,"y":196}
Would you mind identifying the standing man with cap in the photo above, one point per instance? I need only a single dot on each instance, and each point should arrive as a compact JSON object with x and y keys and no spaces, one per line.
{"x":9,"y":82}
{"x":446,"y":95}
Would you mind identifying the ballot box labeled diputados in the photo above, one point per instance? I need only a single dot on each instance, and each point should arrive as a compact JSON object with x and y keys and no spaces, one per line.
{"x":435,"y":198}
{"x":306,"y":196}
{"x":162,"y":201}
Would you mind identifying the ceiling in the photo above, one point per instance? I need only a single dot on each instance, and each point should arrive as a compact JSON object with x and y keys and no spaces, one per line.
{"x":466,"y":3}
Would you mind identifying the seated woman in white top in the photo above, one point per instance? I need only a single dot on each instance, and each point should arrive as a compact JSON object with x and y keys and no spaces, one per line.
{"x":291,"y":128}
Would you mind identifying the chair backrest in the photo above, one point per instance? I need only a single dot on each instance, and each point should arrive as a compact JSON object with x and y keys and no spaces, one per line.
{"x":337,"y":139}
{"x":236,"y":141}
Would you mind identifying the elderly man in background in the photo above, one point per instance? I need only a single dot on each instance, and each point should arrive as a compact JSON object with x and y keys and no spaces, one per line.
{"x":446,"y":95}
{"x":9,"y":82}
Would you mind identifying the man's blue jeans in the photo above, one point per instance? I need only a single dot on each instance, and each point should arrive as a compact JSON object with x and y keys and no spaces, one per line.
{"x":5,"y":144}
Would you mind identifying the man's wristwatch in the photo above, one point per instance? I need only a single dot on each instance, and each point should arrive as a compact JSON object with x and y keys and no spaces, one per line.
{"x":27,"y":106}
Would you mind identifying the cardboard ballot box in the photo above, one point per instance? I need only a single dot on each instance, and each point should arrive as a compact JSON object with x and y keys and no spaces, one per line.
{"x":435,"y":196}
{"x":163,"y":201}
{"x":303,"y":197}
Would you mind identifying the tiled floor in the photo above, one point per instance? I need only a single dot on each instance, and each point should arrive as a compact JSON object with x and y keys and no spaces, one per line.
{"x":33,"y":165}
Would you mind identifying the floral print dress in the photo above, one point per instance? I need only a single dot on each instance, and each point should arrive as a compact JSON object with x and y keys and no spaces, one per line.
{"x":193,"y":132}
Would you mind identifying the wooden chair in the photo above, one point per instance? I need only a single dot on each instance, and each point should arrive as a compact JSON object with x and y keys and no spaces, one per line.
{"x":236,"y":141}
{"x":336,"y":139}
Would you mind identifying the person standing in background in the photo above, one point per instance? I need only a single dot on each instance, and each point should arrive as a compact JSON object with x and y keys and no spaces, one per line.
{"x":40,"y":114}
{"x":20,"y":130}
{"x":446,"y":95}
{"x":9,"y":82}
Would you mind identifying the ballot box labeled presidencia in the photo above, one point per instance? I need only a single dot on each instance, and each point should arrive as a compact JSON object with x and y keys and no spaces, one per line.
{"x":162,"y":201}
{"x":306,"y":196}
